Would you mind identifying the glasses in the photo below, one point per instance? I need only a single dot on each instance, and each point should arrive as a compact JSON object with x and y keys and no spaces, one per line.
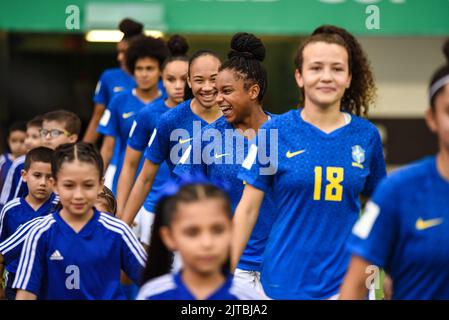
{"x":54,"y":133}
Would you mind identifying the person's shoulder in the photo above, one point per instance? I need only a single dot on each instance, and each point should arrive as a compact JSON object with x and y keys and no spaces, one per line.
{"x":219,"y":124}
{"x":111,"y":73}
{"x":11,"y":206}
{"x":279,"y":120}
{"x":411,"y":173}
{"x":112,"y":223}
{"x":19,"y":161}
{"x":41,"y":225}
{"x":157,"y":287}
{"x":174,"y":115}
{"x":155,"y":108}
{"x":363,"y":124}
{"x":243,"y":291}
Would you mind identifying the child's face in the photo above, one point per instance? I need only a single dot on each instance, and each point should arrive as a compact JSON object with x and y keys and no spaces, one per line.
{"x":201,"y":232}
{"x":38,"y":180}
{"x":78,"y":185}
{"x":16,"y":142}
{"x":56,"y":134}
{"x":33,"y":138}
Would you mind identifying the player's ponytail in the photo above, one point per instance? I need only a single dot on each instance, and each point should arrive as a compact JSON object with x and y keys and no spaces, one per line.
{"x":440,"y":78}
{"x":178,"y":47}
{"x":187,"y":190}
{"x":245,"y":58}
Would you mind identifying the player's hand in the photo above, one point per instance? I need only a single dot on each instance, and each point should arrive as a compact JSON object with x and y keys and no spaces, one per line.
{"x":388,"y":287}
{"x":2,"y":293}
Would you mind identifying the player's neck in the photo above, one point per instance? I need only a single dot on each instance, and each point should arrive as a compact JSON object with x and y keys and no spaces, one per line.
{"x":147,"y":95}
{"x":34,"y":202}
{"x":443,"y":163}
{"x":253,"y":122}
{"x":76,"y":221}
{"x":207,"y":114}
{"x":171,"y":103}
{"x":200,"y":285}
{"x":326,"y":119}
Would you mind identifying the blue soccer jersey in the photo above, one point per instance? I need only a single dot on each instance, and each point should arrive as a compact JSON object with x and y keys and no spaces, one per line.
{"x":14,"y":186}
{"x":316,"y":181}
{"x":5,"y":163}
{"x":405,"y":230}
{"x":58,"y":263}
{"x":16,"y":213}
{"x":223,"y":151}
{"x":11,"y":248}
{"x":172,"y":287}
{"x":143,"y":126}
{"x":112,"y":81}
{"x":174,"y":134}
{"x":117,"y":121}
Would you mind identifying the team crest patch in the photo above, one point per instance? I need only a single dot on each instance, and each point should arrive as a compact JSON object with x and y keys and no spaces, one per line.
{"x":358,"y":155}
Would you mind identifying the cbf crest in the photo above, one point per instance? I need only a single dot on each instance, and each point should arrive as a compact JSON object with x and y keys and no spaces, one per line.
{"x":358,"y":155}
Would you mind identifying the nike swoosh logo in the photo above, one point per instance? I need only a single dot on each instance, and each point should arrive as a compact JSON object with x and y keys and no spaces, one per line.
{"x":117,"y":89}
{"x":426,"y":224}
{"x":294,"y":154}
{"x":127,"y":115}
{"x":184,"y":141}
{"x":218,"y":156}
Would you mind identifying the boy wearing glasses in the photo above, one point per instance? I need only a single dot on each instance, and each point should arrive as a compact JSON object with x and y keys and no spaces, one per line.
{"x":59,"y":127}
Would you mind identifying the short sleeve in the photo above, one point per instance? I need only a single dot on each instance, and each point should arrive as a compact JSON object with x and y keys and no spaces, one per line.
{"x":377,"y":166}
{"x":140,"y":132}
{"x":258,"y":168}
{"x":133,"y":255}
{"x":158,"y":148}
{"x":373,"y":236}
{"x":32,"y":265}
{"x":101,"y":94}
{"x":109,"y":122}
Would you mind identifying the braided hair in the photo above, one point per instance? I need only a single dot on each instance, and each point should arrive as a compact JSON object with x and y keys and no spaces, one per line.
{"x":178,"y":47}
{"x":81,"y":151}
{"x":245,"y":59}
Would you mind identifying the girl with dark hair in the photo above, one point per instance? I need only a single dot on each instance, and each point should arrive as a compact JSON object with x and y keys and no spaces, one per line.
{"x":405,"y":228}
{"x":325,"y":158}
{"x":193,"y":218}
{"x":241,"y":84}
{"x":172,"y":137}
{"x":144,"y":58}
{"x":174,"y":74}
{"x":77,"y":252}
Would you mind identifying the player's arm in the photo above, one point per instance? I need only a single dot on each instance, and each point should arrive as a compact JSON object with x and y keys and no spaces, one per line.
{"x":127,"y":175}
{"x":355,"y":283}
{"x":139,"y":192}
{"x":244,"y":220}
{"x":91,"y":134}
{"x":107,"y":149}
{"x":25,"y":295}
